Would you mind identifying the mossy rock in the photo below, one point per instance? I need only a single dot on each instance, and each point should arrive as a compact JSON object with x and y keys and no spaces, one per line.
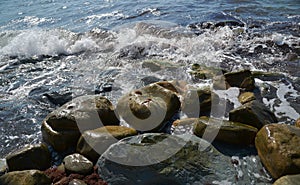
{"x":157,"y":65}
{"x":204,"y":72}
{"x":267,"y":76}
{"x":279,"y":150}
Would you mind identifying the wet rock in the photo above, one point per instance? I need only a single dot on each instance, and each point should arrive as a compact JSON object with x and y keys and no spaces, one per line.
{"x":58,"y":99}
{"x":246,"y":97}
{"x":288,"y":180}
{"x":148,"y":108}
{"x":164,"y":159}
{"x":157,"y":65}
{"x":30,"y":157}
{"x":279,"y":150}
{"x":253,"y":113}
{"x":297,"y":123}
{"x":27,"y":177}
{"x":77,"y":163}
{"x":77,"y":182}
{"x":62,"y":127}
{"x":198,"y":102}
{"x":93,"y":143}
{"x":241,"y":79}
{"x":203,"y":72}
{"x":226,"y":131}
{"x":149,"y":80}
{"x":3,"y":166}
{"x":267,"y":76}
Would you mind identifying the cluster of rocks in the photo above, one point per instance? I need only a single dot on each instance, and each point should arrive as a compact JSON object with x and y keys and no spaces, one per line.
{"x":97,"y":148}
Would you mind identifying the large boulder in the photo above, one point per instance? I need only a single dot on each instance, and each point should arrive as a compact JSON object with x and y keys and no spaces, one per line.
{"x":242,"y":79}
{"x":279,"y":150}
{"x":93,"y":143}
{"x":253,"y":113}
{"x":27,"y":177}
{"x":223,"y":130}
{"x":288,"y":180}
{"x":77,"y":163}
{"x":30,"y":157}
{"x":148,"y":109}
{"x":62,"y":127}
{"x":164,"y":159}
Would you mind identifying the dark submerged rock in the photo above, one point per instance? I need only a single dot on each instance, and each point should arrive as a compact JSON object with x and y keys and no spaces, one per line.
{"x":30,"y":157}
{"x":279,"y":150}
{"x":164,"y":159}
{"x":241,"y":79}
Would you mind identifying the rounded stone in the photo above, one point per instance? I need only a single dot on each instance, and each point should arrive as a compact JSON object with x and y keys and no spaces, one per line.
{"x":93,"y":143}
{"x":246,"y":97}
{"x":77,"y":182}
{"x":279,"y":150}
{"x":297,"y":123}
{"x":77,"y":163}
{"x":62,"y":127}
{"x":288,"y":180}
{"x":148,"y":109}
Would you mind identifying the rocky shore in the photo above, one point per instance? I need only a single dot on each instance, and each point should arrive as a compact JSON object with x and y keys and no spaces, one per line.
{"x":162,"y":133}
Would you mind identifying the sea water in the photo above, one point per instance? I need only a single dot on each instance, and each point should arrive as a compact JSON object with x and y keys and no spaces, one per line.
{"x":64,"y":47}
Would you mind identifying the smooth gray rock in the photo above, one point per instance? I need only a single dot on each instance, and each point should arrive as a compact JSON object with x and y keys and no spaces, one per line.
{"x":77,"y":163}
{"x":163,"y":159}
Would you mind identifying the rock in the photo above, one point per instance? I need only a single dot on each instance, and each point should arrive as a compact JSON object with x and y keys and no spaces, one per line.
{"x":246,"y":97}
{"x":267,"y":76}
{"x":30,"y":157}
{"x":253,"y":113}
{"x":3,"y":166}
{"x":58,"y":99}
{"x":227,"y":131}
{"x":204,"y":72}
{"x":288,"y":180}
{"x":198,"y":102}
{"x":77,"y":163}
{"x":241,"y":79}
{"x":164,"y":159}
{"x":297,"y":123}
{"x":279,"y":150}
{"x":149,"y":80}
{"x":62,"y":127}
{"x":27,"y":177}
{"x":149,"y":108}
{"x":157,"y":65}
{"x":93,"y":143}
{"x":168,"y":85}
{"x":77,"y":182}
